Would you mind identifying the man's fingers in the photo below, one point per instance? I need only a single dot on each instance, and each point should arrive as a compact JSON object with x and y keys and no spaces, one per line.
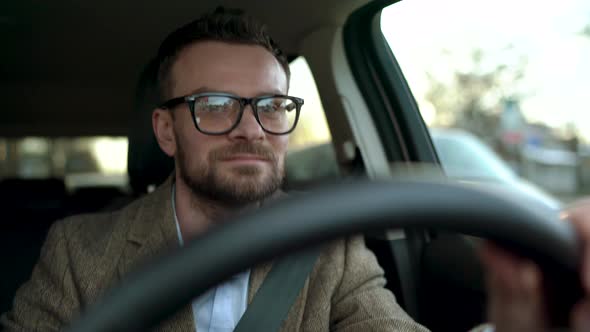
{"x":516,"y":300}
{"x":581,"y":317}
{"x":500,"y":266}
{"x":515,"y":291}
{"x":579,"y":215}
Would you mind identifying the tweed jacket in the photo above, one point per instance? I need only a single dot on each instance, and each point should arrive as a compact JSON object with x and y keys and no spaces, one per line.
{"x":85,"y":255}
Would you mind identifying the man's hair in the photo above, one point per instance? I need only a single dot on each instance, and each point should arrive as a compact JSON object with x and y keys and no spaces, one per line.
{"x":225,"y":25}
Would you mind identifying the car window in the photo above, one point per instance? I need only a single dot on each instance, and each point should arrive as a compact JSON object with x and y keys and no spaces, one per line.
{"x":99,"y":161}
{"x":512,"y":76}
{"x":311,"y":155}
{"x":80,"y":161}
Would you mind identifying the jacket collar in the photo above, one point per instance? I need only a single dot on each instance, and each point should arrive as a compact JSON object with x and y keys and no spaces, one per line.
{"x":151,"y":231}
{"x":153,"y":224}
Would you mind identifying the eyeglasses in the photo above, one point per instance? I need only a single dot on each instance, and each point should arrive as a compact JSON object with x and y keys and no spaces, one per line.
{"x":220,"y":113}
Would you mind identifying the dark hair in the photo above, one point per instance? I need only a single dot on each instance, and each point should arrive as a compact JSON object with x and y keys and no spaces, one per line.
{"x":226,"y":25}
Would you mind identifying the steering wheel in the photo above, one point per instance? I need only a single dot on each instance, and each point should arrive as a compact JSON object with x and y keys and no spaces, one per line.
{"x":330,"y":213}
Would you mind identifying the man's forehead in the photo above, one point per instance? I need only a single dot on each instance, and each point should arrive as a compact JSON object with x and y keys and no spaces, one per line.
{"x":228,"y":67}
{"x":206,"y":55}
{"x":206,"y":88}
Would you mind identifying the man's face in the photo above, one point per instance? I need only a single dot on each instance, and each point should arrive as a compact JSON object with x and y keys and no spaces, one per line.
{"x":247,"y":164}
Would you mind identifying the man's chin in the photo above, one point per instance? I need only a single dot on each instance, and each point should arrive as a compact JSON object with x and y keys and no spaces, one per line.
{"x":248,"y":185}
{"x":244,"y":177}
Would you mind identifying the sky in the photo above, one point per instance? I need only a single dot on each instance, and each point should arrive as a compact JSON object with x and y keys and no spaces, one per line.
{"x":546,"y":33}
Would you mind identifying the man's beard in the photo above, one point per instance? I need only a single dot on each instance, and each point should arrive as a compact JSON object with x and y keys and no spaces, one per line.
{"x":243,"y":187}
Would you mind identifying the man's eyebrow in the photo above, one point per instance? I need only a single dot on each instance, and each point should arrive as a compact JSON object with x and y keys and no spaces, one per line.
{"x":205,"y":89}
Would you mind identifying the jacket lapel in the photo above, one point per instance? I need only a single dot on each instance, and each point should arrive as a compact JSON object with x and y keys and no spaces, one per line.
{"x":152,"y":232}
{"x":151,"y":229}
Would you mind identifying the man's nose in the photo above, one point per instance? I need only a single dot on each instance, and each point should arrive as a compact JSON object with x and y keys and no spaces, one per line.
{"x":248,"y":128}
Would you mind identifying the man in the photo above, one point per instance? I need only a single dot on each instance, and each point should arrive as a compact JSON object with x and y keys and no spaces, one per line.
{"x":224,"y":117}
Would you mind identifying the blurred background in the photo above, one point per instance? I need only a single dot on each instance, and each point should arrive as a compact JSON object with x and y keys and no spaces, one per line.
{"x":512,"y":75}
{"x":503,"y":86}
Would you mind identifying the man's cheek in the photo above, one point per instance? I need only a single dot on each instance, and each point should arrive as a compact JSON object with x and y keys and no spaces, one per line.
{"x":281,"y":165}
{"x":280,"y":149}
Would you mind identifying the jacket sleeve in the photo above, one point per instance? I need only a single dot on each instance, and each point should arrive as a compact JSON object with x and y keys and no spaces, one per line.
{"x":49,"y":300}
{"x":361,"y":302}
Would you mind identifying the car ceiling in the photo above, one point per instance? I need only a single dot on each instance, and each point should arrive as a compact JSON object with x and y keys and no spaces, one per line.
{"x":70,"y":68}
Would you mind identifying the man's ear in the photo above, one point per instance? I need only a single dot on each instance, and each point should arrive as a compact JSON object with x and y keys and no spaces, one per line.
{"x":163,"y":125}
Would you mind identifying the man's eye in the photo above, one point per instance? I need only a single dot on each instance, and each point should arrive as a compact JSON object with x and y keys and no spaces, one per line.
{"x":266,"y":108}
{"x":217,"y":108}
{"x":275,"y":107}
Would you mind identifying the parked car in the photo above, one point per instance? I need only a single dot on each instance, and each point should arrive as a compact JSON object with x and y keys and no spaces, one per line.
{"x":465,"y":157}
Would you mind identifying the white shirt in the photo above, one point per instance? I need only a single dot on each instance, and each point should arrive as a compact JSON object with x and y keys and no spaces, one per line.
{"x":220,"y":308}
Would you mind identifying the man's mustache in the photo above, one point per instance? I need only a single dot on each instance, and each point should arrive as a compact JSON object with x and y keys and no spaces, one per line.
{"x":258,"y":150}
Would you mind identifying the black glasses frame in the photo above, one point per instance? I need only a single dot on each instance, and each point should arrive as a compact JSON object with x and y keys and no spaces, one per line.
{"x":191,"y":99}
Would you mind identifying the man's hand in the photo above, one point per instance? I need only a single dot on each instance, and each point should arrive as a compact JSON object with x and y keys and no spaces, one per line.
{"x":516,"y":300}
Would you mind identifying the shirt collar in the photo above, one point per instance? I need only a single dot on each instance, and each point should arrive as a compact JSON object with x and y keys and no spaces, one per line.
{"x":180,"y":240}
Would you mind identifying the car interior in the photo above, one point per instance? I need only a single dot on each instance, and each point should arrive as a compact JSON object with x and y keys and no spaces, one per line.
{"x":86,"y":69}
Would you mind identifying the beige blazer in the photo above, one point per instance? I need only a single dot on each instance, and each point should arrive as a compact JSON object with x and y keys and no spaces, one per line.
{"x":87,"y":254}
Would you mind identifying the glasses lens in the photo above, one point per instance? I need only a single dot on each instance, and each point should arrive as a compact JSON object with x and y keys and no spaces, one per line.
{"x":216,"y":114}
{"x":277,"y":114}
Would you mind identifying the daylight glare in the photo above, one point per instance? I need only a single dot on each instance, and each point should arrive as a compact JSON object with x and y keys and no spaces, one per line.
{"x":543,"y":39}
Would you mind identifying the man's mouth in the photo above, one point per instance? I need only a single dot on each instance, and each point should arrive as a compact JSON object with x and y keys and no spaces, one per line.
{"x":243,"y":154}
{"x":245,"y":158}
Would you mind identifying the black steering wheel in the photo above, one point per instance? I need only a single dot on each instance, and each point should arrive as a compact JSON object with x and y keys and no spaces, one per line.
{"x":341,"y":210}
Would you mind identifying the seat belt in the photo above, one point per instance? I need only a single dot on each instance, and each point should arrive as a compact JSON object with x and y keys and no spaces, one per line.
{"x":278,"y":292}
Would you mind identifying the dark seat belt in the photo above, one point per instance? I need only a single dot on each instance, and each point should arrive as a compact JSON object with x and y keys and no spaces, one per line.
{"x":278,"y":292}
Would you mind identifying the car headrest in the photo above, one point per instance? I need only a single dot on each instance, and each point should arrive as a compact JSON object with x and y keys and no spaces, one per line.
{"x":32,"y":193}
{"x":147,"y":164}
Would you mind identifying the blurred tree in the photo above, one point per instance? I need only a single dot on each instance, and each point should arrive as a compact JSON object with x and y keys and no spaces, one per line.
{"x":472,"y":97}
{"x":586,"y":30}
